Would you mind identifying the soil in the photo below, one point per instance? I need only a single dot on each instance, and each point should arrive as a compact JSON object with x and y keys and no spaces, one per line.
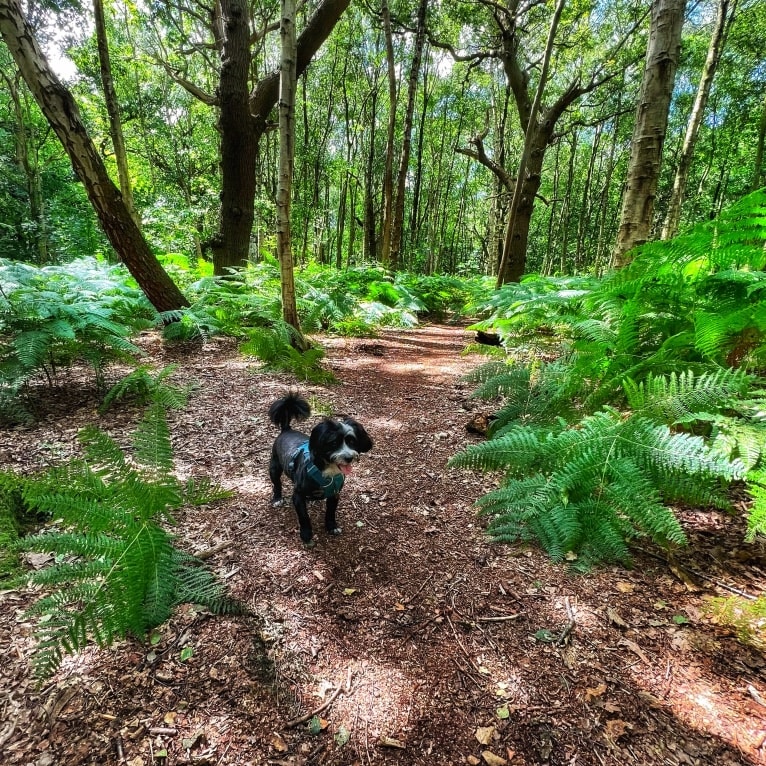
{"x":408,"y":639}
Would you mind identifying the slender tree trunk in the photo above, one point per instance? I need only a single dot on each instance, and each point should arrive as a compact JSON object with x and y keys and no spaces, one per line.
{"x":404,"y":162}
{"x":517,"y":231}
{"x":60,"y":109}
{"x":286,"y":158}
{"x":758,"y":164}
{"x":651,"y":124}
{"x":113,"y":110}
{"x":414,"y":238}
{"x":717,"y":41}
{"x":586,"y":206}
{"x":388,"y":171}
{"x":370,"y":230}
{"x":26,"y":157}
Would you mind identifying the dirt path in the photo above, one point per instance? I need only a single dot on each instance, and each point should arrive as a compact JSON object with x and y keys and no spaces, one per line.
{"x":425,"y":637}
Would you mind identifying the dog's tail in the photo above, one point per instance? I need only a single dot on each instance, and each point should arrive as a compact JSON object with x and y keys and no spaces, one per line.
{"x":291,"y":407}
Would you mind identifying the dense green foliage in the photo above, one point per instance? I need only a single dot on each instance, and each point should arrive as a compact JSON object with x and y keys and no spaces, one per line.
{"x":116,"y":571}
{"x":165,"y":79}
{"x":88,"y":311}
{"x":656,"y":396}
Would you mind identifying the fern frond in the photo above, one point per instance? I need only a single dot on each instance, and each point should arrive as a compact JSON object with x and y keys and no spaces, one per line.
{"x":680,"y":398}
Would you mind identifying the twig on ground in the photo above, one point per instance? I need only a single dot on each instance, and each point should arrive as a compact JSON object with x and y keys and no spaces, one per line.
{"x":701,"y":576}
{"x":500,"y":618}
{"x":308,"y":716}
{"x":210,"y":552}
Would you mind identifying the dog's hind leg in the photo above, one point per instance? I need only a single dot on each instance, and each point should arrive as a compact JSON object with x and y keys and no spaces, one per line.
{"x":275,"y":474}
{"x":330,"y":523}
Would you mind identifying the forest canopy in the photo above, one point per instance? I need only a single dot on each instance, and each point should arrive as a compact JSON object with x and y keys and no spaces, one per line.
{"x":411,"y":120}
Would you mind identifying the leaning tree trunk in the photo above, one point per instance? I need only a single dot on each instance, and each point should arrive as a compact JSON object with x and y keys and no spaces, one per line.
{"x":715,"y":49}
{"x":60,"y":109}
{"x":286,"y":158}
{"x":649,"y":130}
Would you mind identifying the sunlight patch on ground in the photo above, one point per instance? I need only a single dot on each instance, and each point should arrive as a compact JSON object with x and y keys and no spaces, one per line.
{"x":701,"y":706}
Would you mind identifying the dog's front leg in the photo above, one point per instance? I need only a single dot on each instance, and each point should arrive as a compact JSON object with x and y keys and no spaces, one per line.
{"x":299,"y":503}
{"x":330,"y":523}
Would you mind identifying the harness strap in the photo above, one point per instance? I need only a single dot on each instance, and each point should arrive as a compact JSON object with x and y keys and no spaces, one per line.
{"x":329,"y":485}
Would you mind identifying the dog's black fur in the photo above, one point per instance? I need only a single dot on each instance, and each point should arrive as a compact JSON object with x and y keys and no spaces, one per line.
{"x":317,"y":472}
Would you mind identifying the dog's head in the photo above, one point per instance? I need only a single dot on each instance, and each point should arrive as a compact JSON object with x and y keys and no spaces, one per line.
{"x":338,"y":443}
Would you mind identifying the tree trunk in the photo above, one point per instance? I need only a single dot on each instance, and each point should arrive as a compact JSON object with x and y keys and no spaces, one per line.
{"x":113,"y":110}
{"x":244,"y":119}
{"x":388,"y":170}
{"x":404,"y":162}
{"x":236,"y":126}
{"x":649,"y":131}
{"x":26,"y":156}
{"x":758,"y":164}
{"x":286,"y":158}
{"x":515,"y":243}
{"x":60,"y":109}
{"x":717,"y":41}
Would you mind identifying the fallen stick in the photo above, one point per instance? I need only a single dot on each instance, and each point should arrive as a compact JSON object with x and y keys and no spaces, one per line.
{"x":308,"y":716}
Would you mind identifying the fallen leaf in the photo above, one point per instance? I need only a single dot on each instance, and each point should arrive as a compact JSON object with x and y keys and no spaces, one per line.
{"x":625,"y":587}
{"x":686,"y":579}
{"x":595,"y":691}
{"x":484,"y":734}
{"x":385,"y":741}
{"x":493,"y":760}
{"x":636,"y":649}
{"x":278,"y":743}
{"x":614,"y":616}
{"x":503,"y":712}
{"x":399,"y":607}
{"x":349,"y":591}
{"x":342,"y":736}
{"x":170,"y":718}
{"x":615,"y":728}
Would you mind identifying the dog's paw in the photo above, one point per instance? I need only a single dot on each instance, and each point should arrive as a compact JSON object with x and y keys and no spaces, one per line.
{"x":278,"y":502}
{"x":335,"y":531}
{"x":309,"y":544}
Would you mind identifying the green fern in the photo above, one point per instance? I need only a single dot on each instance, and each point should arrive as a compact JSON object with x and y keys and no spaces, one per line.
{"x":275,"y":348}
{"x":142,"y":385}
{"x":590,"y":489}
{"x":117,"y":572}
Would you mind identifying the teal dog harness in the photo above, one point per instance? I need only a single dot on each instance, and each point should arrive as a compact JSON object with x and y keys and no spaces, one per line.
{"x":326,"y":486}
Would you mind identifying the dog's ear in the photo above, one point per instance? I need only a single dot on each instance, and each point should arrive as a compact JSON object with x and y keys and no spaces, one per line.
{"x":363,"y":440}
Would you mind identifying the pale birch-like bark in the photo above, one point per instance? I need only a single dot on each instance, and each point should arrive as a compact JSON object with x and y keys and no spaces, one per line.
{"x":287,"y":87}
{"x":724,"y":16}
{"x":650,"y":127}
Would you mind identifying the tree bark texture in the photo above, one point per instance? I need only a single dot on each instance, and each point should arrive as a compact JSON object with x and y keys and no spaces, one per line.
{"x":236,"y":126}
{"x":60,"y":109}
{"x":287,"y":89}
{"x":715,"y":49}
{"x":667,"y":18}
{"x":113,"y":110}
{"x":388,"y":169}
{"x":516,"y":240}
{"x":404,"y":161}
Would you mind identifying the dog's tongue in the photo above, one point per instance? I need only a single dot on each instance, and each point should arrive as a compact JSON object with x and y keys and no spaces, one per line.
{"x":345,"y":469}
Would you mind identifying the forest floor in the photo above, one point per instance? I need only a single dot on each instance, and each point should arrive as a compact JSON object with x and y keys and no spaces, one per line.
{"x":413,"y":638}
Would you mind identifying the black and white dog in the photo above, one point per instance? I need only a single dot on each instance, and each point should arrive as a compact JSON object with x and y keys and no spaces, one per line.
{"x":317,"y":464}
